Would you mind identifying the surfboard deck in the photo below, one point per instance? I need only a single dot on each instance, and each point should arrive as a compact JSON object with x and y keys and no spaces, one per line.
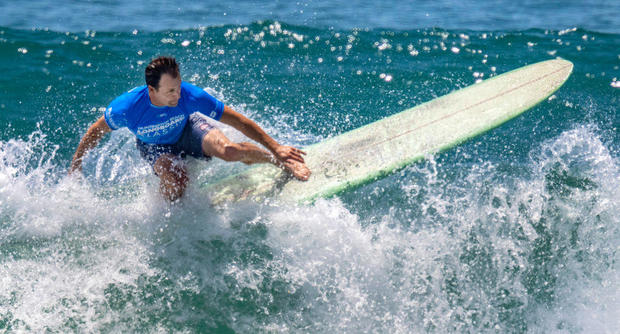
{"x":367,"y":153}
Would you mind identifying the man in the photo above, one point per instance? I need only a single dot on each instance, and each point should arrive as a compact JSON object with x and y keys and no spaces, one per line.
{"x":167,"y":117}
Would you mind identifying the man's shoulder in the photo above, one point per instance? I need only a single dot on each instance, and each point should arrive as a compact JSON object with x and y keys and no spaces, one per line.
{"x":131,"y":97}
{"x":190,"y":89}
{"x":134,"y":94}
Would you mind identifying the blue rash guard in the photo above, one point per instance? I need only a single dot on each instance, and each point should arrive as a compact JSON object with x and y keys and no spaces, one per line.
{"x":160,"y":125}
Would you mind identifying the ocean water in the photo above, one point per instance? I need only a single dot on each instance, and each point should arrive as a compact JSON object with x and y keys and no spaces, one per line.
{"x":515,"y":231}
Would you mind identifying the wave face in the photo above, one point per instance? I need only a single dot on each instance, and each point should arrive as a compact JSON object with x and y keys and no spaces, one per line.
{"x":516,"y":230}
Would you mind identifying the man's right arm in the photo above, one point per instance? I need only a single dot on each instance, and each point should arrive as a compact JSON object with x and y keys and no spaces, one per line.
{"x":90,"y":140}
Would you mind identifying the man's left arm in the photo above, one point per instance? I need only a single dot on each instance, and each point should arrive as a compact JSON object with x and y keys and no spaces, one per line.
{"x":255,"y":132}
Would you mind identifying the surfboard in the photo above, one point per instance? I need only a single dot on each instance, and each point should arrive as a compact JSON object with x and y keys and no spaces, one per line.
{"x":368,"y":153}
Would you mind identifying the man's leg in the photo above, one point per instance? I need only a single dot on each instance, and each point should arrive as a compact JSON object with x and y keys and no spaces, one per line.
{"x":216,"y":144}
{"x":172,"y":175}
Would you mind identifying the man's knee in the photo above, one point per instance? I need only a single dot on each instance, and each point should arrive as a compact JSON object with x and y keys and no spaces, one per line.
{"x":172,"y":175}
{"x":232,"y":152}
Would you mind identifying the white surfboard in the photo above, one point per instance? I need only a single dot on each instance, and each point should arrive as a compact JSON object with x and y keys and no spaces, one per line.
{"x":367,"y":153}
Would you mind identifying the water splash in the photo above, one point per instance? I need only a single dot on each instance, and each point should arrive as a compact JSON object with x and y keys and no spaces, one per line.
{"x":491,"y":251}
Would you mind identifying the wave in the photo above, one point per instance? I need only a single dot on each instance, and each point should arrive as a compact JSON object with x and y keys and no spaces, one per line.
{"x":490,"y":248}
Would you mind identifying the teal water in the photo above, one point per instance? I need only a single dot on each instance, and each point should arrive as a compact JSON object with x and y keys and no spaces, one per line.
{"x":514,"y":231}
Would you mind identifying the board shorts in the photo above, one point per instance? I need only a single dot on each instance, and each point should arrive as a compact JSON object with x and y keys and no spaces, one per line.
{"x":190,"y":142}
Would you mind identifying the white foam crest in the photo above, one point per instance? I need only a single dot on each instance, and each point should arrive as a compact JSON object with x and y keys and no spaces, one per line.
{"x":588,"y":297}
{"x":508,"y":254}
{"x":468,"y":260}
{"x":25,"y":168}
{"x":351,"y":278}
{"x":556,"y":230}
{"x":38,"y":198}
{"x":379,"y":278}
{"x":323,"y":251}
{"x":539,"y":244}
{"x":61,"y":290}
{"x":63,"y":245}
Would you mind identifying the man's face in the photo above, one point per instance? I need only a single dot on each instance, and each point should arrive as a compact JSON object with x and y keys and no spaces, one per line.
{"x":168,"y":93}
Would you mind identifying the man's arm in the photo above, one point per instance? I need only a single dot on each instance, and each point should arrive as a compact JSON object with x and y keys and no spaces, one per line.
{"x":253,"y":131}
{"x":90,"y":140}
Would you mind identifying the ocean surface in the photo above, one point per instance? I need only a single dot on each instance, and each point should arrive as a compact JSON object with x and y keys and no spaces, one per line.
{"x":515,"y":231}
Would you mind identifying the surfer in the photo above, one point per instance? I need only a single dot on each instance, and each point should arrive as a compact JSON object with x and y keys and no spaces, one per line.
{"x":167,"y":116}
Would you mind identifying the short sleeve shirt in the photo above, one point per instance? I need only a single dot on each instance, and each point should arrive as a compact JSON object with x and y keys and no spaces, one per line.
{"x":160,"y":125}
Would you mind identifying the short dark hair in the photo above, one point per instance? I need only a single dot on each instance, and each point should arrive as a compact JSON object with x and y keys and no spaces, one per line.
{"x":159,"y":66}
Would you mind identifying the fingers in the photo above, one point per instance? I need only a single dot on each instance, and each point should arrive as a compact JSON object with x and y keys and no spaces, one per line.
{"x":75,"y":168}
{"x":296,"y":157}
{"x":299,"y":171}
{"x":294,"y":153}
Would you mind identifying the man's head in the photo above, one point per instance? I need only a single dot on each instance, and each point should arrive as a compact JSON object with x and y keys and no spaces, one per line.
{"x":164,"y":81}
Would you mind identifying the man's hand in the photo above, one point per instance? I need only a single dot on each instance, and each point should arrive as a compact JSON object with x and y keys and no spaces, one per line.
{"x":285,"y":153}
{"x":299,"y":170}
{"x":76,"y":165}
{"x":292,"y":159}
